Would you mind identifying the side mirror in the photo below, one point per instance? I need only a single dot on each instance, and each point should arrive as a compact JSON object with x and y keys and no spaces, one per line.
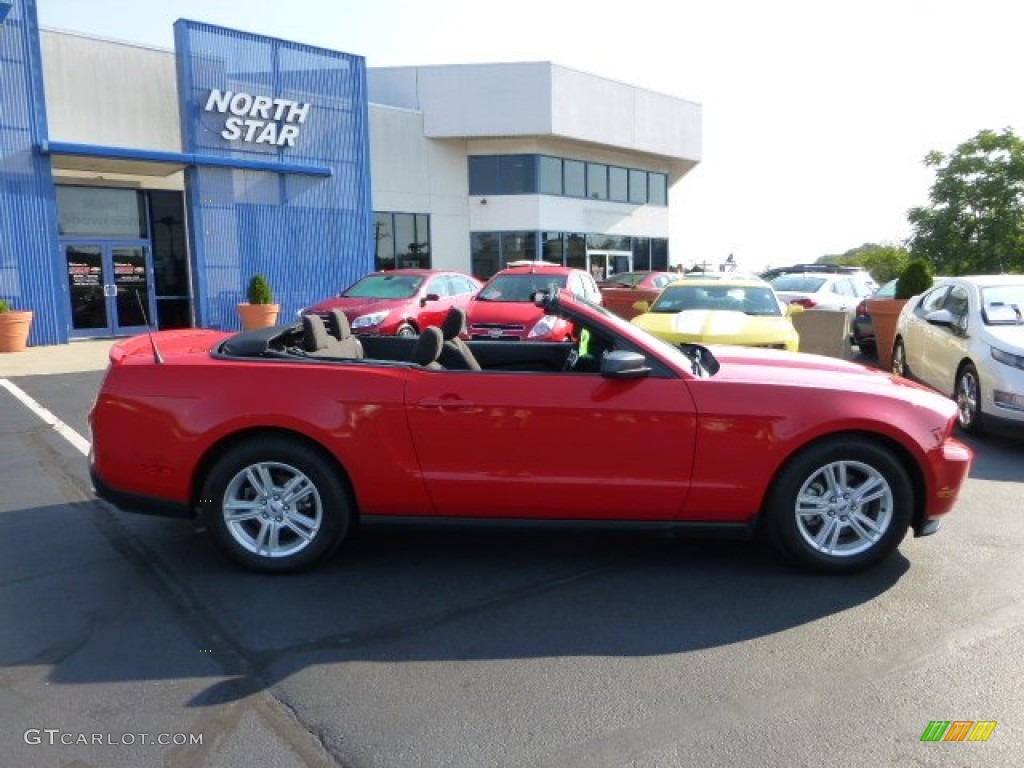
{"x":623,"y":364}
{"x":641,"y":306}
{"x":942,"y":317}
{"x":429,"y":297}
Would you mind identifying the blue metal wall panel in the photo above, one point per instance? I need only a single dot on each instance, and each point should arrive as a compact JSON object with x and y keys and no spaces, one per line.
{"x":31,"y":276}
{"x":309,"y":236}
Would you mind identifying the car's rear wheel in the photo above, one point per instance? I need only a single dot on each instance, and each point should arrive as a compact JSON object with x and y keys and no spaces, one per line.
{"x":968,"y":399}
{"x":867,"y":348}
{"x":275,"y":504}
{"x":406,"y":329}
{"x":899,"y":358}
{"x":841,"y":505}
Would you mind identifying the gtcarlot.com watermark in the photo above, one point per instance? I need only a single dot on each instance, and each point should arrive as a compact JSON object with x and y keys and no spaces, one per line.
{"x":55,"y":737}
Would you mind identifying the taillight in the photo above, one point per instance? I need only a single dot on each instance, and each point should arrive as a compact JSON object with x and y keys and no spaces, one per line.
{"x":805,"y":303}
{"x":862,"y":308}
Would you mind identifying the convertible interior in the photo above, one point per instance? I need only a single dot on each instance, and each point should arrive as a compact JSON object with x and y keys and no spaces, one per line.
{"x":331,"y":341}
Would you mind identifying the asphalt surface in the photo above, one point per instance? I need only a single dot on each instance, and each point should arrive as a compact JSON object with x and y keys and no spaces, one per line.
{"x":483,"y":648}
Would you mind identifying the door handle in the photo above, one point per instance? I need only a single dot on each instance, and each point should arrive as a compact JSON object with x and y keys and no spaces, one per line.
{"x":449,"y":403}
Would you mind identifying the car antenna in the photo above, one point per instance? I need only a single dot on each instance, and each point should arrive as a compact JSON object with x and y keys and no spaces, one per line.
{"x":157,"y":357}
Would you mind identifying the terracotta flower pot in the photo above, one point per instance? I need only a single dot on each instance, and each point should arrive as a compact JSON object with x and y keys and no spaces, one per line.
{"x":14,"y":327}
{"x":258,"y":315}
{"x":884,"y":314}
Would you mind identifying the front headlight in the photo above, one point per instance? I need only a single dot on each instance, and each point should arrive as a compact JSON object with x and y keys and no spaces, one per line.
{"x":1008,"y":358}
{"x":370,"y":320}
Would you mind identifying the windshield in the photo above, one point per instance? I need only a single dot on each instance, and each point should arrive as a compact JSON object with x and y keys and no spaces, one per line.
{"x":627,"y":279}
{"x":751,"y":300}
{"x":385,"y":287}
{"x":798,"y":283}
{"x":519,"y":288}
{"x":1003,"y":305}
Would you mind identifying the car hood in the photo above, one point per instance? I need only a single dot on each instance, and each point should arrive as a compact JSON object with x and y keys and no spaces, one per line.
{"x":795,"y":369}
{"x":1009,"y":338}
{"x":354,"y":307}
{"x":508,"y":312}
{"x":716,"y":325}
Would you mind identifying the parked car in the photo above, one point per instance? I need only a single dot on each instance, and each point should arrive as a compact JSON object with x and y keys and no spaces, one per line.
{"x":620,"y":292}
{"x":965,"y":337}
{"x":823,"y":290}
{"x":399,"y":302}
{"x":833,"y":269}
{"x":863,"y":330}
{"x":282,"y":439}
{"x":504,"y":309}
{"x":745,"y":312}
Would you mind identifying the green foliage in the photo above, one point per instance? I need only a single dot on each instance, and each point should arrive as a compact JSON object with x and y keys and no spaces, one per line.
{"x":916,"y":278}
{"x":885,"y":262}
{"x":4,"y":307}
{"x":975,"y":222}
{"x":259,"y":290}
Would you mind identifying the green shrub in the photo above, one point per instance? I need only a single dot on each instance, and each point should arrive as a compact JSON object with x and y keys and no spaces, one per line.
{"x":915,"y":278}
{"x":4,"y":306}
{"x":259,"y":291}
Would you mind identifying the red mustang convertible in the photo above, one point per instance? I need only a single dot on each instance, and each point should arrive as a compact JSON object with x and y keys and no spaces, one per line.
{"x":283,"y":438}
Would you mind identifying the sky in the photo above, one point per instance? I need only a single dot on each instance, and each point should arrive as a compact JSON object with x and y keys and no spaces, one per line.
{"x":817,"y":114}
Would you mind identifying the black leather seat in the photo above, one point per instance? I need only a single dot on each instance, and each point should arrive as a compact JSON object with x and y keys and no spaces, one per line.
{"x":338,"y":325}
{"x":456,"y":354}
{"x":428,"y":348}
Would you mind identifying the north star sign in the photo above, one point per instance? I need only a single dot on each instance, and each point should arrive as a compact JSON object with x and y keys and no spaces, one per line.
{"x":258,"y":119}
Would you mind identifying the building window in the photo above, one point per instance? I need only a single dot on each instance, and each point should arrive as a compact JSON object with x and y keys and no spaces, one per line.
{"x":659,"y":254}
{"x":483,"y":175}
{"x":383,"y":241}
{"x":518,"y":246}
{"x":401,"y":240}
{"x":637,"y":186}
{"x":641,"y":253}
{"x":597,"y":181}
{"x":552,"y":247}
{"x":575,"y":178}
{"x":550,"y":175}
{"x":517,"y":174}
{"x":618,"y":184}
{"x":101,"y":212}
{"x":657,"y":188}
{"x":485,"y":253}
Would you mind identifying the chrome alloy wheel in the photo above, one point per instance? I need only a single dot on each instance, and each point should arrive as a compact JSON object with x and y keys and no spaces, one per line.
{"x":967,"y":398}
{"x":272,"y":509}
{"x":844,"y":508}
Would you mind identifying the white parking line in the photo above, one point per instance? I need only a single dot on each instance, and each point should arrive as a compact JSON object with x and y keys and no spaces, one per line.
{"x":62,"y":429}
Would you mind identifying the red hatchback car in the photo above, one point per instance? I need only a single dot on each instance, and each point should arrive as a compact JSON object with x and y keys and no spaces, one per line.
{"x":504,"y":309}
{"x":400,"y":302}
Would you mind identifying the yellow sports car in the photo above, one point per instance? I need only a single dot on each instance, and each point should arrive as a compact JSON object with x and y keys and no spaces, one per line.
{"x":744,"y":312}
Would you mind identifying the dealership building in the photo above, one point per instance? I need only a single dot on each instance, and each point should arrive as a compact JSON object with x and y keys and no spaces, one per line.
{"x":145,"y":186}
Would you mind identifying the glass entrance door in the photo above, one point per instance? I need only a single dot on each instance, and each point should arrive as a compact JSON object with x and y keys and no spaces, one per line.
{"x":604,"y":264}
{"x":110,"y":288}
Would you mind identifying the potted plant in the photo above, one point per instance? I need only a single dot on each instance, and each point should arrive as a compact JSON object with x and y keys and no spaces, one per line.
{"x":915,"y":278}
{"x":260,"y":311}
{"x":14,"y":327}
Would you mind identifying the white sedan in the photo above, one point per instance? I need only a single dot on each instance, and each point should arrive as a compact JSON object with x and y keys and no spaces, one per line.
{"x":966,"y":337}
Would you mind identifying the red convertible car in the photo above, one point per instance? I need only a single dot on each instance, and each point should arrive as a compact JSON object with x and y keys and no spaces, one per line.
{"x":283,"y":438}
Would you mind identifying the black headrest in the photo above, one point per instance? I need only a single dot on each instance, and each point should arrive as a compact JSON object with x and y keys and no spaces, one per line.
{"x":454,"y":323}
{"x":428,"y":346}
{"x":337,"y":323}
{"x":314,"y":333}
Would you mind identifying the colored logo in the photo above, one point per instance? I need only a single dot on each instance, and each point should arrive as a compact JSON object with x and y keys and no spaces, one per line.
{"x":958,"y":730}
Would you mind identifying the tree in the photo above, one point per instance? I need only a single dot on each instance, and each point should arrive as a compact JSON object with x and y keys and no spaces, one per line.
{"x":885,"y":262}
{"x":975,"y":222}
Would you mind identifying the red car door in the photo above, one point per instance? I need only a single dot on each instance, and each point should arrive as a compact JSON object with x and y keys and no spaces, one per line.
{"x":433,"y":312}
{"x":552,"y":445}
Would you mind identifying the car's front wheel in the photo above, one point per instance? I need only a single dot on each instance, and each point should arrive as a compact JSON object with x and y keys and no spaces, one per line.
{"x":275,"y":504}
{"x":841,"y":505}
{"x":406,"y":330}
{"x":968,"y":399}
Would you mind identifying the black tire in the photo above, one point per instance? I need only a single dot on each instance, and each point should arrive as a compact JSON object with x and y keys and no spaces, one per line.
{"x":406,"y":330}
{"x":868,"y":348}
{"x":292,"y":536}
{"x":899,"y":359}
{"x":806,"y":520}
{"x":967,"y":393}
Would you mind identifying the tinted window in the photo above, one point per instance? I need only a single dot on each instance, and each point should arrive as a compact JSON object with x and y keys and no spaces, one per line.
{"x":618,"y":184}
{"x":575,"y":178}
{"x":658,"y":188}
{"x":483,"y":175}
{"x":933,"y":300}
{"x":517,"y":174}
{"x":637,"y":187}
{"x":550,"y":176}
{"x":520,"y":287}
{"x":597,"y":181}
